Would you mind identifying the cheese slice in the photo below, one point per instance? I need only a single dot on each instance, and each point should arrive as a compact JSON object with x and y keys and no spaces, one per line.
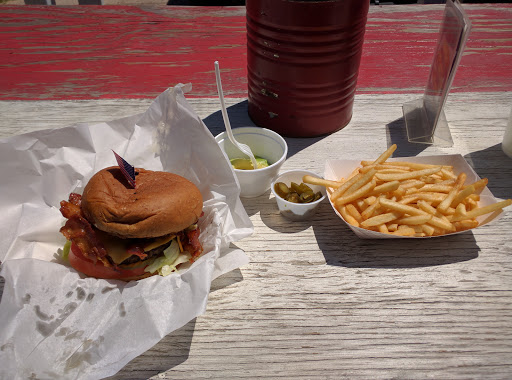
{"x":117,"y":248}
{"x":179,"y":244}
{"x":157,"y":242}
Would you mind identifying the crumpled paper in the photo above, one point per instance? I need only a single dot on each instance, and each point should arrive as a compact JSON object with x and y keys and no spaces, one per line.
{"x":57,"y":324}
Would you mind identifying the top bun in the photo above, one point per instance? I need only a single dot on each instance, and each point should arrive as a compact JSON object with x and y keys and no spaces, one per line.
{"x":162,"y":203}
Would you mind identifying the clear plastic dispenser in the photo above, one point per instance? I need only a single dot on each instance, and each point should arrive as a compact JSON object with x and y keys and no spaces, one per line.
{"x":425,"y":120}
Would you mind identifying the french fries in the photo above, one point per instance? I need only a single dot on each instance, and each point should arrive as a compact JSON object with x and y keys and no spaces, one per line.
{"x":408,"y":199}
{"x":321,"y":182}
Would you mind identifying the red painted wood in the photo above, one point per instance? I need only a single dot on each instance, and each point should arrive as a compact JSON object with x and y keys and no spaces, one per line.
{"x":137,"y":51}
{"x":399,"y":48}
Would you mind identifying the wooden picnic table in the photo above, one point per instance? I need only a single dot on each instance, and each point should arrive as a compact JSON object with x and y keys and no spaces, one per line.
{"x":315,"y":301}
{"x":126,"y":52}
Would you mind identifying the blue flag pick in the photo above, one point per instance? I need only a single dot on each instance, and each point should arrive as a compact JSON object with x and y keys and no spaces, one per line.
{"x":127,"y":170}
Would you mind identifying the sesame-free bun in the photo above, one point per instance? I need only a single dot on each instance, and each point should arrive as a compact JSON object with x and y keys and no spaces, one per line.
{"x":162,"y":203}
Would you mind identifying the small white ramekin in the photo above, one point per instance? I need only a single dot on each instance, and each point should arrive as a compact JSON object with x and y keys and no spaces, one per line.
{"x":264,"y":143}
{"x":297,"y":211}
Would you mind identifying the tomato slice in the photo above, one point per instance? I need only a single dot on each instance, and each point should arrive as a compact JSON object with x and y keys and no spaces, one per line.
{"x":98,"y":270}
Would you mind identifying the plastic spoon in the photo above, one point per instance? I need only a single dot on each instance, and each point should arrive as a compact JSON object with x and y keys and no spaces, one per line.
{"x":244,"y":148}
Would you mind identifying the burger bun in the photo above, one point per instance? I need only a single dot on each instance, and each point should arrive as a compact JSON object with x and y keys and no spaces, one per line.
{"x":162,"y":203}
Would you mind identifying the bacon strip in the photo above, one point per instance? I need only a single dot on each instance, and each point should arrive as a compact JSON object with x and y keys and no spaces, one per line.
{"x":137,"y":250}
{"x":82,"y":233}
{"x":69,"y":210}
{"x":79,"y":230}
{"x":76,"y":199}
{"x":192,"y":244}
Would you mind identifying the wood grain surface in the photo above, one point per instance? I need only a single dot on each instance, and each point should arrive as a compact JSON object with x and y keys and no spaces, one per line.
{"x":316,"y":302}
{"x":109,"y":52}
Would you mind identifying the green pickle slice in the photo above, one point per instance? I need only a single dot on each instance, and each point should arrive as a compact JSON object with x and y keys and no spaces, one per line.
{"x":281,"y":189}
{"x":246,"y":164}
{"x":307,"y":197}
{"x":296,"y":193}
{"x":295,"y":188}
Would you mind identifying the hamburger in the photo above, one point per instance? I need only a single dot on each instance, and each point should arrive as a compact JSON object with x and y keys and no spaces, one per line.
{"x":115,"y":231}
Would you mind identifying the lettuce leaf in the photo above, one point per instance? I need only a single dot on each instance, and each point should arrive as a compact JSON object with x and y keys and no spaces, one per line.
{"x":65,"y":250}
{"x":167,"y":263}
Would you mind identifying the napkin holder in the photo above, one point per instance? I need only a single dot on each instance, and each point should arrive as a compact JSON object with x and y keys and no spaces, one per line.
{"x":425,"y":120}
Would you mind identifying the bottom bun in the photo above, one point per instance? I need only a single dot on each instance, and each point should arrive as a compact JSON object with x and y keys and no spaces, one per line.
{"x":98,"y":270}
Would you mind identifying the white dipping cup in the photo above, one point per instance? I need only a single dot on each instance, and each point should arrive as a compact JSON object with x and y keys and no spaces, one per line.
{"x":264,"y":143}
{"x":297,"y":211}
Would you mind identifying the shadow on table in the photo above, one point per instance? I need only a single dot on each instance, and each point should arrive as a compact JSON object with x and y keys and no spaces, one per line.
{"x":341,"y":247}
{"x":493,"y":164}
{"x":397,"y":134}
{"x":227,"y":279}
{"x":174,"y":348}
{"x":239,"y":117}
{"x":353,"y":252}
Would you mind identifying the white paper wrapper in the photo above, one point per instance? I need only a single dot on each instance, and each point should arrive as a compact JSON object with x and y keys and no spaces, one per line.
{"x":55,"y":324}
{"x":336,"y":169}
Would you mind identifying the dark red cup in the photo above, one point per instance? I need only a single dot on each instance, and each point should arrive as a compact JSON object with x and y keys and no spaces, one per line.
{"x":303,"y":62}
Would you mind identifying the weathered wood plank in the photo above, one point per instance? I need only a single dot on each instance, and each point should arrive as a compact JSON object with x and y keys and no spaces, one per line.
{"x":316,"y":301}
{"x":111,"y":52}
